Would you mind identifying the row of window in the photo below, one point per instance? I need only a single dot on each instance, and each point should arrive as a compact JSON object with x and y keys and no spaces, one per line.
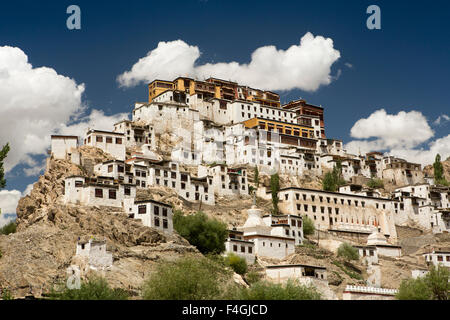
{"x":99,"y":138}
{"x":142,"y":209}
{"x":342,"y":201}
{"x":249,"y":249}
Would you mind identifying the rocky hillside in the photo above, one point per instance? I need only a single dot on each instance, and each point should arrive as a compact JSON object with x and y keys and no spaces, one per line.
{"x":37,"y":256}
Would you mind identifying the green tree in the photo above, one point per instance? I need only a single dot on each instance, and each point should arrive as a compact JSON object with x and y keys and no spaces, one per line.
{"x":333,"y":180}
{"x":256,"y":172}
{"x":434,"y":286}
{"x":238,"y":264}
{"x":188,"y":278}
{"x":207,"y":234}
{"x":348,"y":252}
{"x":308,"y":226}
{"x":438,"y":168}
{"x":263,"y":290}
{"x":3,"y":154}
{"x":96,"y":288}
{"x":275,"y":188}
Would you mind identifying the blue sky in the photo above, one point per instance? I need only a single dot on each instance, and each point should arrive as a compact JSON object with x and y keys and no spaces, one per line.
{"x":402,"y":67}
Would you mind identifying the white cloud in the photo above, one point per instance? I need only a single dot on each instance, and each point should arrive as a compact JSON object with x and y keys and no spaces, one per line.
{"x":6,"y":218}
{"x":35,"y":103}
{"x":9,"y":200}
{"x":404,"y":129}
{"x":348,"y":65}
{"x":305,"y":66}
{"x":399,"y":135}
{"x":441,"y":119}
{"x":28,"y":189}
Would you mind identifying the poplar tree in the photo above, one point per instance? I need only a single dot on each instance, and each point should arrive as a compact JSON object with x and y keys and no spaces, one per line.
{"x":3,"y":154}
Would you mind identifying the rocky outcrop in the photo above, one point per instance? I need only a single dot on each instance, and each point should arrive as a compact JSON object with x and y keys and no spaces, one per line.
{"x":37,"y":257}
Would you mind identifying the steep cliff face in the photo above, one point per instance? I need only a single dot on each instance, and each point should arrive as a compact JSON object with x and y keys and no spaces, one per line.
{"x":38,"y":255}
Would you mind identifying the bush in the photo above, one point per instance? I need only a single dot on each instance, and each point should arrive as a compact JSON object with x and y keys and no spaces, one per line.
{"x":333,"y":180}
{"x":9,"y":228}
{"x":434,"y":286}
{"x":6,"y":295}
{"x":252,"y":277}
{"x":188,"y":278}
{"x":308,"y":226}
{"x":275,"y":188}
{"x":207,"y":234}
{"x":95,"y":289}
{"x":264,"y":290}
{"x":348,"y":252}
{"x":238,"y":264}
{"x":375,"y":183}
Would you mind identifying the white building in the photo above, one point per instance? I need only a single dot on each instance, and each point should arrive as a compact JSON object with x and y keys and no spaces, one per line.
{"x":368,"y":254}
{"x":99,"y":191}
{"x":226,"y":181}
{"x":368,"y":293}
{"x":65,"y":148}
{"x":438,"y":257}
{"x":383,"y":248}
{"x":340,"y":212}
{"x":136,"y":135}
{"x":152,"y":213}
{"x":94,"y":251}
{"x":236,"y":244}
{"x":267,"y":240}
{"x":282,"y":273}
{"x":109,"y":142}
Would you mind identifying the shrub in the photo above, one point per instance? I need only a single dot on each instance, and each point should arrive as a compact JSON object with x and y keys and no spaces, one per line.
{"x":95,"y":288}
{"x":348,"y":252}
{"x":434,"y":286}
{"x":207,"y":234}
{"x":238,"y":264}
{"x":333,"y":180}
{"x":6,"y":295}
{"x":187,"y":278}
{"x":9,"y":228}
{"x":308,"y":226}
{"x":375,"y":183}
{"x":264,"y":290}
{"x":253,"y":277}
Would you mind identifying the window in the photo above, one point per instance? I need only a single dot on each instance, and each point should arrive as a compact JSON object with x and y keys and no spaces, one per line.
{"x":250,"y":250}
{"x":110,"y":168}
{"x":156,"y":222}
{"x":99,"y":193}
{"x":142,"y":209}
{"x":164,"y":212}
{"x":127,"y":191}
{"x":98,"y":138}
{"x":165,"y":224}
{"x":108,"y":139}
{"x":440,"y":258}
{"x":112,"y":194}
{"x":156,"y":210}
{"x":235,"y":248}
{"x":78,"y":184}
{"x":243,"y":249}
{"x":121,"y":169}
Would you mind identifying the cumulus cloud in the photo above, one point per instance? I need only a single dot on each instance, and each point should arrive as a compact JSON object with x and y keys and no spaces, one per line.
{"x":8,"y":200}
{"x":305,"y":66}
{"x":6,"y":218}
{"x":441,"y":119}
{"x":35,"y":103}
{"x":406,"y":129}
{"x":405,"y":135}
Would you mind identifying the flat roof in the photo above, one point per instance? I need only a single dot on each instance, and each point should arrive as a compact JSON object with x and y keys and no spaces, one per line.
{"x":63,"y":137}
{"x":333,"y":193}
{"x":102,"y":131}
{"x":294,"y":266}
{"x":152,"y":201}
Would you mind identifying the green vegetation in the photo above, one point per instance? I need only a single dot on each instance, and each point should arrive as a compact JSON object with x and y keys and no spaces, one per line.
{"x":438,"y":168}
{"x":256,"y":176}
{"x":375,"y":183}
{"x":347,"y":271}
{"x":347,"y":251}
{"x":333,"y":180}
{"x":308,"y":226}
{"x":264,"y":290}
{"x":189,"y":278}
{"x":275,"y":188}
{"x":8,"y":228}
{"x":95,"y":288}
{"x":3,"y":154}
{"x":252,"y":277}
{"x":207,"y":234}
{"x":6,"y":295}
{"x":238,"y":264}
{"x":434,"y":286}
